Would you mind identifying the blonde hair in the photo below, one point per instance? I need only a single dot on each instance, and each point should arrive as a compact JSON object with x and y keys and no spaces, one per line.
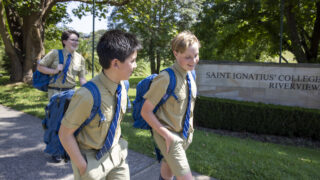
{"x":183,"y":40}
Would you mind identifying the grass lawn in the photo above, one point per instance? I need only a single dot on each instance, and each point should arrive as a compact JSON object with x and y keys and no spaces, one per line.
{"x":218,"y":156}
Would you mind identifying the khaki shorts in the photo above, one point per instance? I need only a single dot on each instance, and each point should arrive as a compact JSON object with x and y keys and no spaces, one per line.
{"x":112,"y":166}
{"x":176,"y":158}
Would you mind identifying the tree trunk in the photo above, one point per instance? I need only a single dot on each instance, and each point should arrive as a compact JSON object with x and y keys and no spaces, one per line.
{"x":315,"y":39}
{"x":152,"y":57}
{"x":16,"y":68}
{"x":9,"y":47}
{"x":158,"y":62}
{"x":33,"y":46}
{"x":294,"y":34}
{"x":23,"y":34}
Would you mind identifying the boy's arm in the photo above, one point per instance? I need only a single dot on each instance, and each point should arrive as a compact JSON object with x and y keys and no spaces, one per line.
{"x":46,"y":70}
{"x":45,"y":63}
{"x":82,"y":81}
{"x":152,"y":120}
{"x":70,"y":144}
{"x":82,"y":74}
{"x":78,"y":111}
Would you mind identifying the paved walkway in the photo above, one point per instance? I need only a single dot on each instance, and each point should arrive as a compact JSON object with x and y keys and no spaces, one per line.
{"x":22,"y":156}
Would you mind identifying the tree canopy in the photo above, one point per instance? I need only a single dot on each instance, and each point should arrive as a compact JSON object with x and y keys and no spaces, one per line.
{"x":240,"y":30}
{"x":244,"y":30}
{"x":22,"y":27}
{"x":156,"y":22}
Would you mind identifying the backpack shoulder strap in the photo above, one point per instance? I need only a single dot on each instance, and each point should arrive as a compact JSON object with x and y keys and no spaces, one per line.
{"x":61,"y":59}
{"x":172,"y":83}
{"x":96,"y":105}
{"x":171,"y":86}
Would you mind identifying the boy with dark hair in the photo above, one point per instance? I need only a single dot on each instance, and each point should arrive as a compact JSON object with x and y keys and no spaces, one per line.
{"x":172,"y":124}
{"x":98,"y":151}
{"x":73,"y":64}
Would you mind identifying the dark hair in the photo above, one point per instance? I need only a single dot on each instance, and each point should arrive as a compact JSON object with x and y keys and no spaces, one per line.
{"x":66,"y":34}
{"x":116,"y":44}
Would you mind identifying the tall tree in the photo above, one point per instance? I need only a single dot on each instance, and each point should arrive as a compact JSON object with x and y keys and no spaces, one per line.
{"x":156,"y":22}
{"x":243,"y":30}
{"x":22,"y":26}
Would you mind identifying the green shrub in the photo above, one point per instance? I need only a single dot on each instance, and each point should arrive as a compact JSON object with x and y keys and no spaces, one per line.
{"x":143,"y":68}
{"x":257,"y":118}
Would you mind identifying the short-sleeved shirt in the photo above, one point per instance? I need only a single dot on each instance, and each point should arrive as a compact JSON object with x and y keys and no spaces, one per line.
{"x":172,"y":113}
{"x":93,"y":135}
{"x":76,"y":67}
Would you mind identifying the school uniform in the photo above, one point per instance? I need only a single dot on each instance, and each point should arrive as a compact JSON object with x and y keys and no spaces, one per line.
{"x":76,"y":68}
{"x":113,"y":164}
{"x":172,"y":115}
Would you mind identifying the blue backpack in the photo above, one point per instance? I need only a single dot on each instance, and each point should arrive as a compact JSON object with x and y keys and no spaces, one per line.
{"x":41,"y":81}
{"x":143,"y":87}
{"x":55,"y":110}
{"x":54,"y":113}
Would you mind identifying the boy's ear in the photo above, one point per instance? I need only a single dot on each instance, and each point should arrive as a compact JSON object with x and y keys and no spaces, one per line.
{"x":175,"y":53}
{"x":115,"y":63}
{"x":64,"y":42}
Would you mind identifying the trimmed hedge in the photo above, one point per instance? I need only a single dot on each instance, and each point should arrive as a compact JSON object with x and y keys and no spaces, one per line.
{"x":257,"y":118}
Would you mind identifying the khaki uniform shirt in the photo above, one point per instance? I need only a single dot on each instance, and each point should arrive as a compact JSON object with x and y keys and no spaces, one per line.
{"x":172,"y":113}
{"x":93,"y":135}
{"x":76,"y":67}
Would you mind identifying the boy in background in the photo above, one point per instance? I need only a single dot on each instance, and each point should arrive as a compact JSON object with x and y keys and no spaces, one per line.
{"x":99,"y":152}
{"x":172,"y":124}
{"x":74,"y":62}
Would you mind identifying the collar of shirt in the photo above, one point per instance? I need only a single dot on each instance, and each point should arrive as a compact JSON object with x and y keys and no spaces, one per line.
{"x":65,"y":53}
{"x":181,"y":71}
{"x":108,"y":84}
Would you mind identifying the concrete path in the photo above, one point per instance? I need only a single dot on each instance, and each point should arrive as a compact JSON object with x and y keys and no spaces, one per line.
{"x":22,"y":156}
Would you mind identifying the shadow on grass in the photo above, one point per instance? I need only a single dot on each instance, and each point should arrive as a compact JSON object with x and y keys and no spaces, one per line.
{"x":4,"y":80}
{"x":24,"y":98}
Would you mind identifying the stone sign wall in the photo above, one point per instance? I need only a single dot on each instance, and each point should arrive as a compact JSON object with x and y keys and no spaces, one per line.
{"x":285,"y":84}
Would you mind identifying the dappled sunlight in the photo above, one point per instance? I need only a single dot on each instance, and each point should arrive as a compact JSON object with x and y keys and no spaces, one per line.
{"x":16,"y":152}
{"x":282,"y":153}
{"x":4,"y":125}
{"x":306,"y":160}
{"x":17,"y":136}
{"x":24,"y":97}
{"x":142,"y":133}
{"x":15,"y":85}
{"x":54,"y":174}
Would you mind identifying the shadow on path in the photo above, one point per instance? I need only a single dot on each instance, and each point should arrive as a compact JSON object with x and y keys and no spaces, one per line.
{"x":22,"y":156}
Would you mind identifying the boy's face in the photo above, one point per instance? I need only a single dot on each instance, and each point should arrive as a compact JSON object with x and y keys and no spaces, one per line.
{"x":72,"y":43}
{"x":127,"y":67}
{"x":189,"y":58}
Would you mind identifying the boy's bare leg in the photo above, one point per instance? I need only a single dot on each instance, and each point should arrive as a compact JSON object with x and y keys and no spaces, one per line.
{"x":167,"y":174}
{"x":187,"y":176}
{"x":165,"y":171}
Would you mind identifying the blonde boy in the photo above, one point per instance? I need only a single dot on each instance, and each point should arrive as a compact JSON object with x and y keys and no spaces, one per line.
{"x":171,"y":129}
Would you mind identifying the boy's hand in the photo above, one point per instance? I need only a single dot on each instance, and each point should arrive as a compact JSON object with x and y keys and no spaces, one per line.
{"x":59,"y":68}
{"x":82,"y":169}
{"x":169,"y":139}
